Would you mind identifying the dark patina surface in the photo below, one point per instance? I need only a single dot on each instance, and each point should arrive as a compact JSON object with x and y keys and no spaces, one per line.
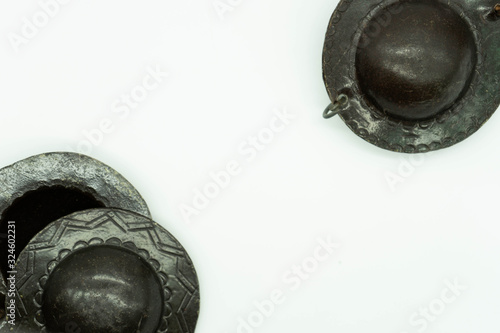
{"x":106,"y":271}
{"x":41,"y":189}
{"x":413,"y":75}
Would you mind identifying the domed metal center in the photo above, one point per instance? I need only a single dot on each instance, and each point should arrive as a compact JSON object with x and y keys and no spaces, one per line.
{"x":103,"y":289}
{"x":415,"y":59}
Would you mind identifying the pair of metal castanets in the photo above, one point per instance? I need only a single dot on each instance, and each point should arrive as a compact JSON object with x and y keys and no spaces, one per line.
{"x":80,"y":253}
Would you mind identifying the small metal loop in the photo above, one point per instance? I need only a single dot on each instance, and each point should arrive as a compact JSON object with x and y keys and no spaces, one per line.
{"x":331,"y":110}
{"x":335,"y":108}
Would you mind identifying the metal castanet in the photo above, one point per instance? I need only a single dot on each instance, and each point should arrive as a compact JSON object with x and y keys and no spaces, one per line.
{"x":413,"y":75}
{"x":106,"y":271}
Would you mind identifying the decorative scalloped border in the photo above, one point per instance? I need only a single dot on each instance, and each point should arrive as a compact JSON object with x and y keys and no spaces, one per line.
{"x":363,"y":131}
{"x":114,"y":241}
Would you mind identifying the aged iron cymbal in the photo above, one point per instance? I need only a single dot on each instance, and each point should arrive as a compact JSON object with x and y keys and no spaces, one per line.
{"x":38,"y":190}
{"x":413,"y":75}
{"x":106,"y":271}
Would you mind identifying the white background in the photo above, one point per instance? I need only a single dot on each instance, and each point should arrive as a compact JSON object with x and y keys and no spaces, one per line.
{"x":227,"y":74}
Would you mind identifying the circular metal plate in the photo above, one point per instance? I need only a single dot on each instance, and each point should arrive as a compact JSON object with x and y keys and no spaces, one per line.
{"x":106,"y":270}
{"x":420,"y":75}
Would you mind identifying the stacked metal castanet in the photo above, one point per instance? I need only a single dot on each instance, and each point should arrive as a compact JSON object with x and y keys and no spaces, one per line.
{"x":80,"y":253}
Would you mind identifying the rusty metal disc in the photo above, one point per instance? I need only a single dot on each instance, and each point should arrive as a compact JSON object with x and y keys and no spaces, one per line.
{"x":413,"y":75}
